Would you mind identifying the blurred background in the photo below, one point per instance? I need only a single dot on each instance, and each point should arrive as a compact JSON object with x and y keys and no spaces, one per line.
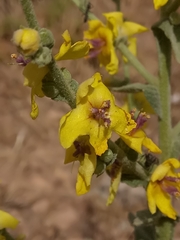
{"x":36,"y":187}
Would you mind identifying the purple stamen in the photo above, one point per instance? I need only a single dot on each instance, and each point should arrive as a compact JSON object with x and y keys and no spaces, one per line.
{"x":97,"y":45}
{"x":102,"y":114}
{"x":172,"y":179}
{"x":171,"y":190}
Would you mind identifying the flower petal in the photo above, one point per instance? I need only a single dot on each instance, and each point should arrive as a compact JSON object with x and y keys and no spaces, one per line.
{"x":34,"y":107}
{"x":87,"y":167}
{"x":150,"y":145}
{"x":81,"y":187}
{"x":162,"y":170}
{"x":74,"y":124}
{"x":33,"y":77}
{"x":163,"y":202}
{"x":114,"y":21}
{"x":150,"y":197}
{"x":131,"y":28}
{"x":69,"y":51}
{"x":159,"y":3}
{"x":7,"y":220}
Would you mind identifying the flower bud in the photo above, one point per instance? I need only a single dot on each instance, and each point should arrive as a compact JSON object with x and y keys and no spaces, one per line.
{"x":27,"y":40}
{"x":43,"y":57}
{"x":47,"y":39}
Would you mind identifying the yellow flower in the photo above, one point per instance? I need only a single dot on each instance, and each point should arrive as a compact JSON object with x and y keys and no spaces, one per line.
{"x":101,"y":41}
{"x":95,"y":115}
{"x":159,"y":3}
{"x":34,"y":74}
{"x":163,"y":185}
{"x":28,"y":41}
{"x":124,"y":29}
{"x":137,"y":137}
{"x":7,"y":221}
{"x":82,"y":151}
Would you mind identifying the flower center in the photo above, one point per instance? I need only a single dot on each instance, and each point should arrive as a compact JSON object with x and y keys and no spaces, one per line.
{"x":97,"y":45}
{"x":169,"y":185}
{"x":102,"y":114}
{"x":141,"y":119}
{"x":81,"y":149}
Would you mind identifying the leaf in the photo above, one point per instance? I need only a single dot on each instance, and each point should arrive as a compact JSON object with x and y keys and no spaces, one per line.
{"x":152,"y":95}
{"x":150,"y":92}
{"x":133,"y":181}
{"x":172,"y":32}
{"x":175,"y":148}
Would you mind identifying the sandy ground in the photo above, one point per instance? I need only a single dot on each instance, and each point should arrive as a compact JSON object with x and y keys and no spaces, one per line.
{"x":35,"y":184}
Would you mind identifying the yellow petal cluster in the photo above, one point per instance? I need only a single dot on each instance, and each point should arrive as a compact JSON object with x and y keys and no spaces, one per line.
{"x":28,"y":41}
{"x":95,"y":115}
{"x":163,"y":185}
{"x":102,"y":38}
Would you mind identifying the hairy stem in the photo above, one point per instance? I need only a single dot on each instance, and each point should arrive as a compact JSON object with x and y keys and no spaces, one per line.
{"x":29,"y":14}
{"x":164,"y":58}
{"x":137,"y":65}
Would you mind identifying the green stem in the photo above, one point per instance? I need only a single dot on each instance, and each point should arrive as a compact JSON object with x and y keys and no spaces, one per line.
{"x":136,"y":64}
{"x":63,"y":85}
{"x":164,"y":58}
{"x":29,"y":14}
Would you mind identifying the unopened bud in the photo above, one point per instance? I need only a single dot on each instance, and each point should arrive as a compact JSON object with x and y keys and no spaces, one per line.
{"x":27,"y":40}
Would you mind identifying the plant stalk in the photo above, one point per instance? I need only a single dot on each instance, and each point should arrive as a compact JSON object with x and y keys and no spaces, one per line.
{"x":29,"y":14}
{"x":137,"y":65}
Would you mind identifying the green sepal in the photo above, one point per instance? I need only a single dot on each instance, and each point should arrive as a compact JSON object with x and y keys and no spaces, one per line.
{"x":172,"y":32}
{"x":108,"y":157}
{"x":100,"y":167}
{"x":47,"y":38}
{"x":130,"y":153}
{"x":151,"y":93}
